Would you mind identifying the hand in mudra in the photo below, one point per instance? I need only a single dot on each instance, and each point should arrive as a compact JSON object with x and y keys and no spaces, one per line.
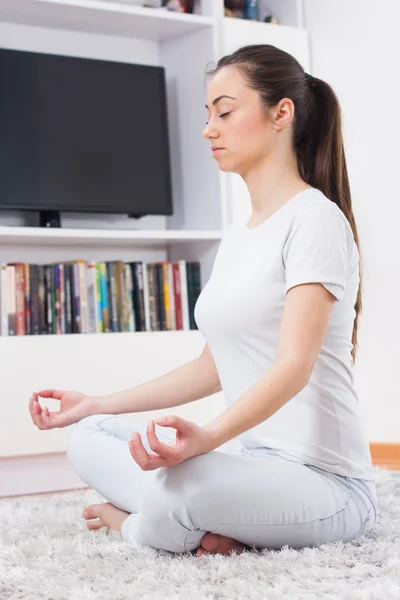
{"x":191,"y":440}
{"x":73,"y":407}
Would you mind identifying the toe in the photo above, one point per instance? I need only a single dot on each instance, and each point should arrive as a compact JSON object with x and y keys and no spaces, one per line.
{"x":95,"y":524}
{"x":91,"y":512}
{"x":210,"y":541}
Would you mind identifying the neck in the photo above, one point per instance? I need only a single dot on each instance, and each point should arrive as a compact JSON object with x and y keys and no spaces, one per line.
{"x":271,"y":183}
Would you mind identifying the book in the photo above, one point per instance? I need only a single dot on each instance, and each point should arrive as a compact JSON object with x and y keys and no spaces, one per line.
{"x":98,"y":297}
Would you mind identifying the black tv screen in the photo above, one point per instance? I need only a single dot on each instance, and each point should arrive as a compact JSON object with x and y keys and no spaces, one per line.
{"x":83,"y":135}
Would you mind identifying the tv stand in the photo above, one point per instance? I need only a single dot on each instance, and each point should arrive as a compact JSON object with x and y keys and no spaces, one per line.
{"x":49,"y":218}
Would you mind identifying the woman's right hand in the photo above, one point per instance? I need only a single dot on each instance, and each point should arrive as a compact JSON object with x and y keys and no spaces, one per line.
{"x":74,"y":406}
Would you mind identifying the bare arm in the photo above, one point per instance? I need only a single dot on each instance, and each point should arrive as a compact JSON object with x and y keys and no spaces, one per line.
{"x":189,"y":382}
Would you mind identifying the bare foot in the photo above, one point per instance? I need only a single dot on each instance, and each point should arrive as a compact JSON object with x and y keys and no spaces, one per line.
{"x":107,"y":515}
{"x":95,"y":511}
{"x":213,"y":543}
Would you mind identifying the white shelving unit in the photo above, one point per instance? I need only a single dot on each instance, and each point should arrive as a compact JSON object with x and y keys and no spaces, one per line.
{"x":97,"y":16}
{"x":205,"y":202}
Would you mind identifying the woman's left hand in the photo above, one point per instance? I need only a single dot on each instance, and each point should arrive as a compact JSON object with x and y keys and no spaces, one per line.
{"x":191,"y":440}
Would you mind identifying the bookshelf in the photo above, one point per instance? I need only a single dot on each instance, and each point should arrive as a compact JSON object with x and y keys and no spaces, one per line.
{"x":205,"y":202}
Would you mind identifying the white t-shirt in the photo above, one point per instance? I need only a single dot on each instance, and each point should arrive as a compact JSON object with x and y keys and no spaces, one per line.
{"x":239,"y":313}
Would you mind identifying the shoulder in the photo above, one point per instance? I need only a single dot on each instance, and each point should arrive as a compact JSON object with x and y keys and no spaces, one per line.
{"x":320,"y":227}
{"x":317,"y":208}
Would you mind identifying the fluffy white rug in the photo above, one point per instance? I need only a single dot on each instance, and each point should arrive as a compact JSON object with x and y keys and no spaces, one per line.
{"x":47,"y":553}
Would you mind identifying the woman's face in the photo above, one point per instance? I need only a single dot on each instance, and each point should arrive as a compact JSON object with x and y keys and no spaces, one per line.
{"x":238,"y":124}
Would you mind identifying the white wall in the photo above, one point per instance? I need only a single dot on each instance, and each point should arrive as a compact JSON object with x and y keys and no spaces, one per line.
{"x":355,"y":46}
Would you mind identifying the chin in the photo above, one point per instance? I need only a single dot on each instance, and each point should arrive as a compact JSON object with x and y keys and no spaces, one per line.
{"x":227,"y":167}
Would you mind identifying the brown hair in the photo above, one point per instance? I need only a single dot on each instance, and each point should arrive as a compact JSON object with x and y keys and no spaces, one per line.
{"x":317,"y":127}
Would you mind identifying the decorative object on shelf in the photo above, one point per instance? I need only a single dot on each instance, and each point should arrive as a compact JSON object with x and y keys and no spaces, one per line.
{"x":265,"y":14}
{"x":250,"y":10}
{"x":235,"y":8}
{"x":184,"y":6}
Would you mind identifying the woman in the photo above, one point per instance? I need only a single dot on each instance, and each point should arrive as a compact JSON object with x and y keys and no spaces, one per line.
{"x":279,"y":314}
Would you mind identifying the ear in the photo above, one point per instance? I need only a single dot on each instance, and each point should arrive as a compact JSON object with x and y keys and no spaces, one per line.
{"x":283,"y":114}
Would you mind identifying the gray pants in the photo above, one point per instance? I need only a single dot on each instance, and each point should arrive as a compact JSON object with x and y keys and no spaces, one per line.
{"x":260,"y":500}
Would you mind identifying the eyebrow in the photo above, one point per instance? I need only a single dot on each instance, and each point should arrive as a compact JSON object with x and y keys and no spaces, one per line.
{"x":214,"y":102}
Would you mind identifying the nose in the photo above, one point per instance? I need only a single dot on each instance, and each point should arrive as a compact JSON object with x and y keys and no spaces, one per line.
{"x":207,"y":132}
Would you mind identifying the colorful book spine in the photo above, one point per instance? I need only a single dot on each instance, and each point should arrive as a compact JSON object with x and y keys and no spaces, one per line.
{"x":20,"y":328}
{"x":100,"y":326}
{"x":42,"y":300}
{"x":112,"y":297}
{"x":27,"y":299}
{"x":83,"y":296}
{"x":171,"y":296}
{"x":77,"y":298}
{"x":178,"y":295}
{"x":105,"y":310}
{"x":34,"y":285}
{"x":3,"y":299}
{"x":62,"y":297}
{"x":184,"y":295}
{"x":11,"y":303}
{"x":89,"y":297}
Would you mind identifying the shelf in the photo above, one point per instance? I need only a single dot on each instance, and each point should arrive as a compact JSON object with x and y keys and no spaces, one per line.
{"x":120,"y":337}
{"x":88,"y":237}
{"x":96,"y":16}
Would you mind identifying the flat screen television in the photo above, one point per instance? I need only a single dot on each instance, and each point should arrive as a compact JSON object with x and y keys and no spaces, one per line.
{"x":83,"y":135}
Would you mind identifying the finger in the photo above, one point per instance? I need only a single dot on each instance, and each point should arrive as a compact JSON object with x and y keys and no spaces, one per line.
{"x":50,"y":393}
{"x":52,"y":419}
{"x":146,"y":461}
{"x":176,"y":422}
{"x":36,"y":411}
{"x":31,"y":407}
{"x":163,"y":450}
{"x":138,"y":451}
{"x":153,"y":461}
{"x":32,"y":410}
{"x":41,"y":416}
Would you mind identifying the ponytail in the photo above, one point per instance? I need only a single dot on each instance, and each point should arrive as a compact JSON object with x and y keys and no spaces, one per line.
{"x":322,"y":163}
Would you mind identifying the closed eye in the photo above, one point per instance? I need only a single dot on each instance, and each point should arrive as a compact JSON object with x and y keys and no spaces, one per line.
{"x":223,"y":115}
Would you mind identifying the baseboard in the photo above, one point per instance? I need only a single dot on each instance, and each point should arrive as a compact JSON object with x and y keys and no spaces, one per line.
{"x":36,"y":474}
{"x":386,"y":455}
{"x":43,"y":473}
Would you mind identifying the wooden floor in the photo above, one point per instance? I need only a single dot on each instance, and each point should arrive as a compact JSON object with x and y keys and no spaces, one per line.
{"x":386,"y":455}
